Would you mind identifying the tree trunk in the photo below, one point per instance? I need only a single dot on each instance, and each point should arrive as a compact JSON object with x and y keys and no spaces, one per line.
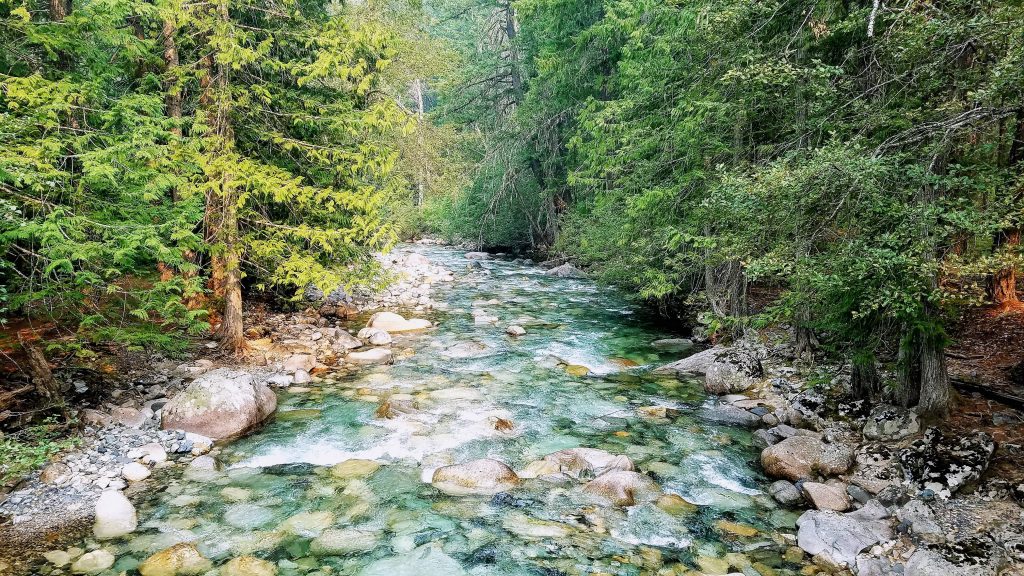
{"x":805,"y":340}
{"x":935,"y":390}
{"x":864,"y":380}
{"x":222,"y":210}
{"x":59,"y":9}
{"x":1003,"y":286}
{"x":908,"y":391}
{"x":46,"y":386}
{"x":172,"y":88}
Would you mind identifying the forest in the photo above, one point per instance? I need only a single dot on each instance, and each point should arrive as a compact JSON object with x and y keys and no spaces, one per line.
{"x":690,"y":218}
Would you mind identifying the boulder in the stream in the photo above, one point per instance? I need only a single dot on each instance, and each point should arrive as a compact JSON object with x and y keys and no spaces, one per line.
{"x":827,"y":496}
{"x":483,"y":476}
{"x":371,"y":356}
{"x":221,"y":404}
{"x":427,"y":559}
{"x":785,"y":492}
{"x":577,"y":464}
{"x":676,"y":345}
{"x":345,"y":341}
{"x":693,"y":365}
{"x":477,"y":256}
{"x":729,"y":414}
{"x":394,"y":323}
{"x":115,"y":516}
{"x":800,"y":457}
{"x":566,"y":271}
{"x":375,"y":336}
{"x":623,"y":488}
{"x":93,"y":562}
{"x":843,"y":536}
{"x":342,"y":541}
{"x":179,"y":560}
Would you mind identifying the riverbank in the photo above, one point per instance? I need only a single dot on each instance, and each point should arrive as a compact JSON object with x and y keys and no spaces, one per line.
{"x":887,"y":493}
{"x":477,"y":388}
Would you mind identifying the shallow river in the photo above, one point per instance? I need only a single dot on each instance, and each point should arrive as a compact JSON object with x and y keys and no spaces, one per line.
{"x":277,"y":492}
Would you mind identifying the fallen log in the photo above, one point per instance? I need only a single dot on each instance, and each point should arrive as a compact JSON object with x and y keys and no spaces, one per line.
{"x":1008,"y":399}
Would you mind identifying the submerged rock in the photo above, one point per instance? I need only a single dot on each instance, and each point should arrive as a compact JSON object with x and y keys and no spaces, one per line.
{"x":93,"y":562}
{"x":515,"y":330}
{"x":677,"y":345}
{"x":115,"y":516}
{"x":307,"y":524}
{"x":394,"y":323}
{"x":354,"y":468}
{"x":339,"y":542}
{"x":843,"y":536}
{"x":566,"y":271}
{"x":424,"y":561}
{"x":179,"y":560}
{"x":531,"y":528}
{"x":623,"y":488}
{"x":248,"y":566}
{"x":220,"y":404}
{"x":484,"y":476}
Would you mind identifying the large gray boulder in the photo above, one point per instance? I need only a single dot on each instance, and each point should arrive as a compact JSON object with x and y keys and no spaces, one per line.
{"x":842,"y":536}
{"x":221,"y":404}
{"x":926,"y":562}
{"x":732,"y":371}
{"x":693,"y":365}
{"x":115,"y":516}
{"x":890,"y":423}
{"x":623,"y":488}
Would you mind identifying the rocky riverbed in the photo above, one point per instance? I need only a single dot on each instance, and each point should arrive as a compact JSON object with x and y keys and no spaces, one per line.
{"x":485,"y":416}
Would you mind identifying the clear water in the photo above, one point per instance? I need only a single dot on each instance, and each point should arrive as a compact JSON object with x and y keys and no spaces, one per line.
{"x":405,"y":526}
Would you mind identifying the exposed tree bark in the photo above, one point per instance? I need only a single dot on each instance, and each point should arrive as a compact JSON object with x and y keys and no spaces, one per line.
{"x":864,"y":379}
{"x":59,"y":9}
{"x":222,"y":209}
{"x":806,"y":342}
{"x":1003,"y":285}
{"x":935,"y":392}
{"x":46,"y":386}
{"x":172,"y":89}
{"x":726,"y":289}
{"x":908,"y":391}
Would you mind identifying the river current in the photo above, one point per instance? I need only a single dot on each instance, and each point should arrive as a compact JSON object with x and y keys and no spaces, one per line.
{"x":580,"y":377}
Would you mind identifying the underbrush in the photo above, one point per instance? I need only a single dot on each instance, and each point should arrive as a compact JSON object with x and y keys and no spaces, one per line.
{"x":31,"y":447}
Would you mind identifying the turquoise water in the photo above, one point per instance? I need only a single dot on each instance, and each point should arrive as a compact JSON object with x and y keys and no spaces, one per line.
{"x":276,"y":494}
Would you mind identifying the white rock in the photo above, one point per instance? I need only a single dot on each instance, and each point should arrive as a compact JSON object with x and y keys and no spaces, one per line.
{"x":134,"y":472}
{"x":115,"y":516}
{"x":515,"y":330}
{"x":371,"y":356}
{"x":93,"y":562}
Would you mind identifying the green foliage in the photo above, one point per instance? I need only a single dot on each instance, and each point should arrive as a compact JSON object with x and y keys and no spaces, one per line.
{"x":32,"y":447}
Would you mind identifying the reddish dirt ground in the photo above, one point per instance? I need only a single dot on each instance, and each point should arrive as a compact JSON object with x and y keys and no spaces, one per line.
{"x":987,"y":342}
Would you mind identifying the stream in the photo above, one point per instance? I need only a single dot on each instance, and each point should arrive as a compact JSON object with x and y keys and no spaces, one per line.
{"x":579,"y":378}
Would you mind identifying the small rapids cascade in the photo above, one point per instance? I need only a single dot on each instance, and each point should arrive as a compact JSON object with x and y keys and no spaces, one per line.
{"x":480,"y":450}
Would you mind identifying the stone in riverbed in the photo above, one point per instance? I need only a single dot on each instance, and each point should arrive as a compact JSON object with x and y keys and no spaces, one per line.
{"x":339,"y":542}
{"x":484,"y":476}
{"x":531,"y":528}
{"x":134,"y":472}
{"x":391,"y":322}
{"x":426,"y":560}
{"x":677,"y":345}
{"x":842,"y":536}
{"x":692,"y":365}
{"x":115,"y":516}
{"x":220,"y":404}
{"x":623,"y":488}
{"x":800,"y":457}
{"x":375,"y":336}
{"x":577,"y":463}
{"x":354,"y":468}
{"x":515,"y":330}
{"x":248,"y":566}
{"x":731,"y":372}
{"x":179,"y":560}
{"x":296,"y":362}
{"x":945,"y":465}
{"x":93,"y":562}
{"x":565,"y":271}
{"x":371,"y":356}
{"x":307,"y":524}
{"x":58,"y":558}
{"x":729,"y":414}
